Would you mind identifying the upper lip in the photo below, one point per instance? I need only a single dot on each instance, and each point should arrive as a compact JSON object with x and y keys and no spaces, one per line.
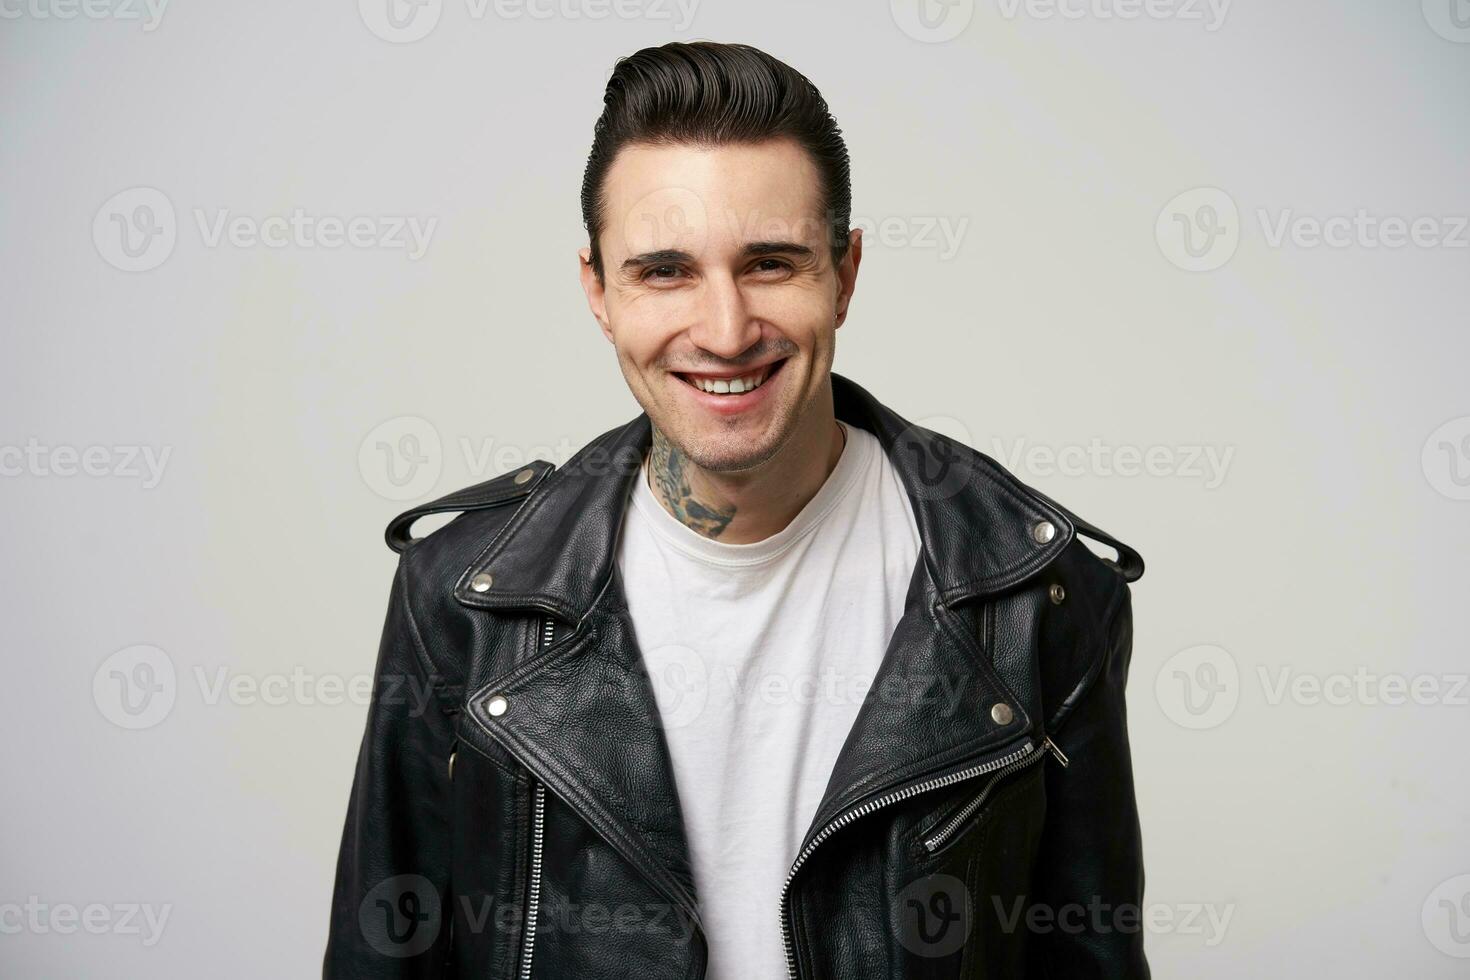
{"x":734,"y":372}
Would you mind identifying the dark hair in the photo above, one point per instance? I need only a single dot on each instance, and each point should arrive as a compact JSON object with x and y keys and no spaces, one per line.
{"x":709,"y":94}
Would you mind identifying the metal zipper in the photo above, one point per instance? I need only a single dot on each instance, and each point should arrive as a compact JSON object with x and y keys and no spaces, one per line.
{"x":538,"y":837}
{"x":936,"y":840}
{"x":533,"y":904}
{"x":848,"y":817}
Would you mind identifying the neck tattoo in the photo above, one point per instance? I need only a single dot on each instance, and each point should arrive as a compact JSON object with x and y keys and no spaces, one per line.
{"x":666,"y":464}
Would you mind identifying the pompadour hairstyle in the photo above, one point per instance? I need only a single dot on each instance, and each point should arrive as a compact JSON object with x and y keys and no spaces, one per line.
{"x":707,"y":94}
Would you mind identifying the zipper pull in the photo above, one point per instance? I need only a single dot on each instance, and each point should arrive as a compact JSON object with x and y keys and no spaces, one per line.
{"x":1061,"y":757}
{"x":453,"y":751}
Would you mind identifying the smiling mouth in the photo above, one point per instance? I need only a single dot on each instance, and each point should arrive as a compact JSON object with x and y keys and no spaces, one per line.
{"x":737,"y":384}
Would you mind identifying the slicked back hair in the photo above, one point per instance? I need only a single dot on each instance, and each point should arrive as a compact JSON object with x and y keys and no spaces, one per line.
{"x":706,"y":94}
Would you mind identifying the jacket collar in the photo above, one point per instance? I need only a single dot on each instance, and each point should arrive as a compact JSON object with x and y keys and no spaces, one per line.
{"x":982,"y":530}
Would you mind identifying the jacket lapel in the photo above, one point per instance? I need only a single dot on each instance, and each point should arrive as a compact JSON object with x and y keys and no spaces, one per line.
{"x":935,"y":702}
{"x":581,"y":714}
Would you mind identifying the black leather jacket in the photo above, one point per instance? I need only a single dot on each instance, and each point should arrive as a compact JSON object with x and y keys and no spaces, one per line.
{"x":514,"y":813}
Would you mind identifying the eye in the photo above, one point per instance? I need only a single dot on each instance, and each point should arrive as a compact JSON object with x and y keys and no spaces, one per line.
{"x":665,"y":273}
{"x":772,"y":265}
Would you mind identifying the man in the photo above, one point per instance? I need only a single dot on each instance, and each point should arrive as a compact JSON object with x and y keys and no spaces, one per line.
{"x":767,"y":681}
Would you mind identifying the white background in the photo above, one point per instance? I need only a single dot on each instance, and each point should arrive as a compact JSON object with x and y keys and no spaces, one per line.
{"x":1334,"y":541}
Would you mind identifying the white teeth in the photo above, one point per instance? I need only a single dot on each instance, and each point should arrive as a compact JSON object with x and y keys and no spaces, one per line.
{"x":730,"y":386}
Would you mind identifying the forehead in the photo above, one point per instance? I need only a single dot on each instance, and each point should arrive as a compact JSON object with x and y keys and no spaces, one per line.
{"x":700,"y":197}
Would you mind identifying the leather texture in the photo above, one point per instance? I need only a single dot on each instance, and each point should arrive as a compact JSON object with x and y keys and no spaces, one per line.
{"x":524,"y":821}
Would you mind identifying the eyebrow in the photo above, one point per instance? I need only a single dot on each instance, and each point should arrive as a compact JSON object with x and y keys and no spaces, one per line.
{"x":751,"y":250}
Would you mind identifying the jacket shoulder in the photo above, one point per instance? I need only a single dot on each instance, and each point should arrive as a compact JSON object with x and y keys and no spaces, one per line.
{"x":1129,"y":562}
{"x":1084,"y":601}
{"x":505,"y":489}
{"x":429,"y":566}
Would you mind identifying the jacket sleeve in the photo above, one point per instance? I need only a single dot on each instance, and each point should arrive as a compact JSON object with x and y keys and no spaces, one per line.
{"x":390,"y":911}
{"x":1089,"y":880}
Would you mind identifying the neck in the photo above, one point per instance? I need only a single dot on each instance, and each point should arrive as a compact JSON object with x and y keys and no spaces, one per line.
{"x":749,"y":505}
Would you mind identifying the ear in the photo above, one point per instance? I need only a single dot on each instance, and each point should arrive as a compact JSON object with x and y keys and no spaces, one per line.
{"x":847,"y":271}
{"x":596,"y":294}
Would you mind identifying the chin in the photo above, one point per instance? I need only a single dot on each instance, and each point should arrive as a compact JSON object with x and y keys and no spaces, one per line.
{"x":727,"y":452}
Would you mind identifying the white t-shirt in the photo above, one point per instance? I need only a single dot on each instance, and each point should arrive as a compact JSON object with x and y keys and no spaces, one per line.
{"x":760,"y":655}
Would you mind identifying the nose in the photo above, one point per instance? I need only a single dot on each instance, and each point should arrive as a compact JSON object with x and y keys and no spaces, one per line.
{"x":723,"y":324}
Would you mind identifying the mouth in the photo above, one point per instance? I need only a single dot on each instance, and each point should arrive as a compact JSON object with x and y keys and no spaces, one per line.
{"x":731,"y":384}
{"x":729,"y":392}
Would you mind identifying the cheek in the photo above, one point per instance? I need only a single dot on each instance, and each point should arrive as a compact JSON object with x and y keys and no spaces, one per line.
{"x":803,"y":315}
{"x":642,"y":327}
{"x":637,"y":352}
{"x":790,"y":307}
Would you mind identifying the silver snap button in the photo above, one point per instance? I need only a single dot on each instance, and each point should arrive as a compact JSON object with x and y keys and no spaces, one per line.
{"x":1043,"y":531}
{"x":524,"y":475}
{"x":1001,"y":714}
{"x":1057,"y":593}
{"x":497,"y":706}
{"x":482,"y":582}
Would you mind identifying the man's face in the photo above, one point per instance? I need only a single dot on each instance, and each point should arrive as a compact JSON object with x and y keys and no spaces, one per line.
{"x":719,"y":293}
